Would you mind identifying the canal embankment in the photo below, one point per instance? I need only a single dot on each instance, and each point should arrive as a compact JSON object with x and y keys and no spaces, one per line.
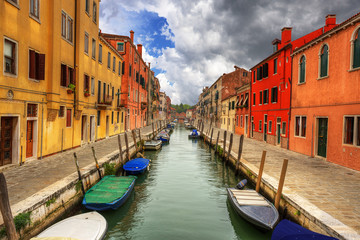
{"x":43,"y":191}
{"x":318,"y":195}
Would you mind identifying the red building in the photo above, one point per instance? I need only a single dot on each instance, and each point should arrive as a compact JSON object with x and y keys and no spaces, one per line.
{"x":134,"y":79}
{"x":325,"y":101}
{"x":232,"y":80}
{"x":271,"y":88}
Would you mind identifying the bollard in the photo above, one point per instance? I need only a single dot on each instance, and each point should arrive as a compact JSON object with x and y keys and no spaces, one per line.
{"x":260,"y":171}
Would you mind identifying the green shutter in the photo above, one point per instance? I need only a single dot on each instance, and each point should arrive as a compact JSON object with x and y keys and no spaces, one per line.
{"x":324,"y":62}
{"x":356,"y":62}
{"x":302,"y":71}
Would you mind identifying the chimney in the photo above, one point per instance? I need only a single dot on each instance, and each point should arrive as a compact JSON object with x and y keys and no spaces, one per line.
{"x":330,"y":22}
{"x":285,"y":35}
{"x":139,"y":48}
{"x":132,"y":36}
{"x":149,"y":64}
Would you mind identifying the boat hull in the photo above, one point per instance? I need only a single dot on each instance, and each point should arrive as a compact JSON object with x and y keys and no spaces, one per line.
{"x":264,"y":217}
{"x":152,"y":145}
{"x":136,"y":166}
{"x":114,"y":204}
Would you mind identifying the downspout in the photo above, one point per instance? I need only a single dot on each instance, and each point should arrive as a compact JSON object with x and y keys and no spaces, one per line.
{"x":290,"y":81}
{"x":250,"y":103}
{"x":42,"y":128}
{"x":75,"y":69}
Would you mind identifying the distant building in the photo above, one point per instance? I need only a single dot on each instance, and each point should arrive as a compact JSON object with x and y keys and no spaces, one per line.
{"x":242,"y":110}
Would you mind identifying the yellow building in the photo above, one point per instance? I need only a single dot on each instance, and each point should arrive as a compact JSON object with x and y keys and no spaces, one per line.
{"x":228,"y":113}
{"x":59,"y":81}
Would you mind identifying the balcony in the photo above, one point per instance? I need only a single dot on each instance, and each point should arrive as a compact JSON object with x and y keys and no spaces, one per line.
{"x":104,"y":103}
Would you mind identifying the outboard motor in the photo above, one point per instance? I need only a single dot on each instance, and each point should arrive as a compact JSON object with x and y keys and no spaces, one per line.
{"x":241,"y":184}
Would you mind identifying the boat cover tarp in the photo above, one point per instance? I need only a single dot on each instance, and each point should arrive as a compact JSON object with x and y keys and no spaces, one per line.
{"x":136,"y":164}
{"x":287,"y":230}
{"x":194,"y":132}
{"x":109,"y":189}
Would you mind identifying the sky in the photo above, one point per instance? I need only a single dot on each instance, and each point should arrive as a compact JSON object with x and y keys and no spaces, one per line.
{"x":191,"y":43}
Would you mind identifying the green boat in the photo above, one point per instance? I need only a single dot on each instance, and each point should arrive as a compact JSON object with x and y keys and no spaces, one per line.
{"x":109,"y":193}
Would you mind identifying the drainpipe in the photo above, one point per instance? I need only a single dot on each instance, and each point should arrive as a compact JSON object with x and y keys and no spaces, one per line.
{"x":290,"y":81}
{"x":42,"y":127}
{"x":75,"y":69}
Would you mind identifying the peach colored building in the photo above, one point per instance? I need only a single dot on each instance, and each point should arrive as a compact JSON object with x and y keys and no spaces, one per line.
{"x":325,"y":102}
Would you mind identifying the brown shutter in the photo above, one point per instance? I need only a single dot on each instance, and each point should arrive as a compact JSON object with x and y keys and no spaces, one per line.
{"x":32,"y":60}
{"x":73,"y":81}
{"x":40,"y":66}
{"x":67,"y":76}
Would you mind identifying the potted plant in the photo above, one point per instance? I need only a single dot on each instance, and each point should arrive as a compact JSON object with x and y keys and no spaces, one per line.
{"x":86,"y":92}
{"x":71,"y":88}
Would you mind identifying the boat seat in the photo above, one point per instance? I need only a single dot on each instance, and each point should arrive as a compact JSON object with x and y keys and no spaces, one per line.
{"x":252,"y":202}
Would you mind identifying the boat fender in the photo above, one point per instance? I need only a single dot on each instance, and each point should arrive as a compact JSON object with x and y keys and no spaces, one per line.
{"x":241,"y":184}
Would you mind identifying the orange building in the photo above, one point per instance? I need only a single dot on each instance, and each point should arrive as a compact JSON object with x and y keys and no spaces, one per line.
{"x":325,"y":102}
{"x":242,"y":110}
{"x":134,"y":79}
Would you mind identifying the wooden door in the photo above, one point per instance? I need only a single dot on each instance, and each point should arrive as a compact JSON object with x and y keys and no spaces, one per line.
{"x":322,"y":136}
{"x":6,"y":141}
{"x":278,"y":132}
{"x":29,"y":138}
{"x":92,"y":128}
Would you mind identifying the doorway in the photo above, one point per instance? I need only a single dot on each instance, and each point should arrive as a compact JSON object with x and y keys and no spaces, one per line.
{"x":84,"y":129}
{"x":29,"y":138}
{"x":92,"y":128}
{"x":278,"y":131}
{"x":107,"y":126}
{"x":6,"y":140}
{"x":265,"y":127}
{"x":246,"y":125}
{"x":322,"y":137}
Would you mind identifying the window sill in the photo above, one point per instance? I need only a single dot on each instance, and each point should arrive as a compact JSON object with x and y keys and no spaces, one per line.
{"x":300,"y":137}
{"x":86,"y":53}
{"x":34,"y":80}
{"x":350,"y":145}
{"x":35,"y":18}
{"x":66,"y":40}
{"x":87,"y":13}
{"x":7,"y":74}
{"x":93,"y":58}
{"x":14,"y":4}
{"x":321,"y":78}
{"x":354,"y":69}
{"x":301,"y":83}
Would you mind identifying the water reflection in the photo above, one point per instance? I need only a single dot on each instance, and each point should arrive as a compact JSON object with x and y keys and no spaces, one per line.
{"x":182,"y":197}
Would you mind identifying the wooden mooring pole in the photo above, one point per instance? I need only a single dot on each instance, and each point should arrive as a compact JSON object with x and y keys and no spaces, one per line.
{"x":239,"y":153}
{"x":281,"y":184}
{"x":120,"y":150}
{"x":261,"y":169}
{"x":134,"y":139}
{"x":96,"y":162}
{"x":153,"y":131}
{"x":79,"y":173}
{"x":230,"y":146}
{"x":211,"y":135}
{"x":224,"y":145}
{"x":6,"y":210}
{"x":141,"y":145}
{"x":217,"y":141}
{"x":127,"y":146}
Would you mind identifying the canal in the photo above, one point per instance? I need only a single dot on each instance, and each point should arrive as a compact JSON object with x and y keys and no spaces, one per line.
{"x":183,"y":196}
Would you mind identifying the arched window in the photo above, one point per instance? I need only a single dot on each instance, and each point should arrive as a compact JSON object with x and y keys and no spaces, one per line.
{"x":356,"y":51}
{"x":302,"y":69}
{"x":324,"y":58}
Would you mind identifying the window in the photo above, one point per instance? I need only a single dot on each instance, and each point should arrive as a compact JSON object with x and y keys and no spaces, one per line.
{"x":114,"y":62}
{"x":112,"y":117}
{"x":93,"y":48}
{"x":112,"y":93}
{"x":324,"y":61}
{"x":260,"y":125}
{"x":87,"y":6}
{"x":32,"y":110}
{"x":258,"y":74}
{"x":100,"y":53}
{"x":122,"y":117}
{"x":98,"y":117}
{"x":275,"y":65}
{"x":120,"y":47}
{"x":352,"y":130}
{"x":99,"y":91}
{"x":300,"y":126}
{"x":123,"y":68}
{"x":86,"y":83}
{"x":266,"y":96}
{"x":260,"y":98}
{"x":119,"y":70}
{"x":66,"y":27}
{"x":356,"y":49}
{"x":109,"y":60}
{"x":94,"y":12}
{"x":283,"y":129}
{"x":62,"y":112}
{"x":36,"y":65}
{"x":233,"y":105}
{"x":265,"y":70}
{"x":129,"y":70}
{"x":10,"y":56}
{"x":117,"y":117}
{"x":86,"y":43}
{"x":244,"y":74}
{"x":254,"y":80}
{"x":67,"y":76}
{"x":241,"y":121}
{"x":254,"y":99}
{"x":34,"y":8}
{"x":270,"y":126}
{"x":274,"y":95}
{"x":92,"y":86}
{"x":302,"y":70}
{"x":68,"y":117}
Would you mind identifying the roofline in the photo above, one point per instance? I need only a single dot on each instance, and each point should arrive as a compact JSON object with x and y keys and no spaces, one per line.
{"x":272,"y":55}
{"x":111,"y":47}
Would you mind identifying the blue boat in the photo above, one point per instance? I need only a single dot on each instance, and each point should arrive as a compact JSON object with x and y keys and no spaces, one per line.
{"x":136,"y":166}
{"x":109,"y":193}
{"x":163,"y":136}
{"x":287,"y":230}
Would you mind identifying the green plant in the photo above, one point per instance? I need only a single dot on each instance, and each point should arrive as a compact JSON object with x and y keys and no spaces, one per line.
{"x":78,"y":186}
{"x":220,"y":150}
{"x":71,"y":86}
{"x":50,"y":201}
{"x":297,"y":213}
{"x":22,"y":220}
{"x":2,"y":232}
{"x":109,"y":169}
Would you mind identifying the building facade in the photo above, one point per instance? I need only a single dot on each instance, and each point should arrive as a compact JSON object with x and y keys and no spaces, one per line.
{"x":242,"y":115}
{"x":325,"y":102}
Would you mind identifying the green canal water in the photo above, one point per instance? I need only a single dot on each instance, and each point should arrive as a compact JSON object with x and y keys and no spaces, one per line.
{"x":183,"y":196}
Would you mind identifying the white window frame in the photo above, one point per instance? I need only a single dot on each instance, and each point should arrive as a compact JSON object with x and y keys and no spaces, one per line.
{"x":100,"y":53}
{"x":352,"y":49}
{"x":86,"y":43}
{"x":67,"y":35}
{"x":355,"y":130}
{"x":93,"y":48}
{"x":92,"y":86}
{"x":319,"y":64}
{"x":16,"y":58}
{"x":300,"y":125}
{"x":299,"y":69}
{"x":270,"y":126}
{"x":36,"y":9}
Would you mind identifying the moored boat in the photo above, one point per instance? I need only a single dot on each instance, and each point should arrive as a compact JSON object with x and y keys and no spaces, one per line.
{"x":254,"y":208}
{"x":136,"y":166}
{"x":163,"y":136}
{"x":86,"y":226}
{"x":152,"y":145}
{"x":194,"y":134}
{"x":109,"y":193}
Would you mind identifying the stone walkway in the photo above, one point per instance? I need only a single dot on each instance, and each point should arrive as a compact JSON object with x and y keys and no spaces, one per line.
{"x":330,"y":187}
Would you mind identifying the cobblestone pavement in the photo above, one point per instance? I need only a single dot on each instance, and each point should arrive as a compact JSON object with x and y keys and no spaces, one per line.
{"x":330,"y":187}
{"x":24,"y":181}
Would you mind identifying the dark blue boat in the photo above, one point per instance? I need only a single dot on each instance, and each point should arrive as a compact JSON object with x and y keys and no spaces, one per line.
{"x":136,"y":166}
{"x":287,"y":230}
{"x":109,"y":193}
